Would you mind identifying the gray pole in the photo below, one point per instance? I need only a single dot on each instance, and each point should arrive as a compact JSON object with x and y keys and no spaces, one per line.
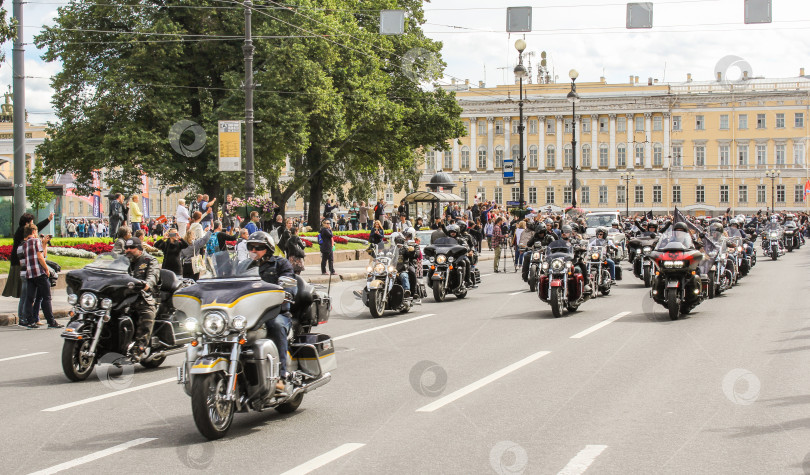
{"x":520,"y":146}
{"x":250,"y":181}
{"x":18,"y":66}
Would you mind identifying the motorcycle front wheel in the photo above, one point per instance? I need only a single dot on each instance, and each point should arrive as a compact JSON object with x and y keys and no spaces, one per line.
{"x":672,"y":304}
{"x":376,"y":302}
{"x":75,"y":366}
{"x":439,"y":291}
{"x":774,"y":253}
{"x":710,"y":292}
{"x":213,"y":414}
{"x":556,"y":299}
{"x":647,"y":278}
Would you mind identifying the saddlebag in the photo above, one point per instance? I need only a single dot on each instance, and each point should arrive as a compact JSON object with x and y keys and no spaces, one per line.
{"x":618,"y":272}
{"x":322,"y":304}
{"x":315,"y":353}
{"x":477,"y":276}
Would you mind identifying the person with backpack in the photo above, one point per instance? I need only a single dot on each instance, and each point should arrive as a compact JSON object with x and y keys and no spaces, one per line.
{"x":219,"y":239}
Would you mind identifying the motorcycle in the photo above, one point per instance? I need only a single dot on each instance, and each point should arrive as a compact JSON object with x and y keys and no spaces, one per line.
{"x":676,"y":284}
{"x":641,"y":247}
{"x":597,"y":265}
{"x":101,"y":294}
{"x":619,"y":250}
{"x":231,"y":366}
{"x":792,"y":238}
{"x":444,"y":277}
{"x":772,"y":238}
{"x":560,"y":285}
{"x":384,"y":289}
{"x":536,"y":260}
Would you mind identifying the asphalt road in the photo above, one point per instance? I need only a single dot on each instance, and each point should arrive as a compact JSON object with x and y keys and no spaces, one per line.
{"x":488,"y":384}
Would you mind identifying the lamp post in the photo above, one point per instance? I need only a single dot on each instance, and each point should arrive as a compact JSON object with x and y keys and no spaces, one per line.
{"x":574,"y":98}
{"x":773,"y":175}
{"x":520,"y":73}
{"x":464,"y":181}
{"x":627,"y":177}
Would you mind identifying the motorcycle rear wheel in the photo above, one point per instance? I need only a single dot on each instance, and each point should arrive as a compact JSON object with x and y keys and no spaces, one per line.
{"x":153,"y":362}
{"x":461,"y":295}
{"x":556,"y":299}
{"x":291,"y":405}
{"x":376,"y":303}
{"x":439,"y":292}
{"x":212,"y":414}
{"x":672,"y":304}
{"x":76,"y":367}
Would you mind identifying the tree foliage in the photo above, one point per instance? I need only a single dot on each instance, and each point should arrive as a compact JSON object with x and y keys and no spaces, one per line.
{"x":343,"y":102}
{"x":8,"y":28}
{"x":36,"y":190}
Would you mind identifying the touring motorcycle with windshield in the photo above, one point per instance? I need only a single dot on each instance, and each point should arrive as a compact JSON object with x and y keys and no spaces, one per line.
{"x":792,"y":236}
{"x":561,"y":285}
{"x":443,"y":276}
{"x":772,"y":240}
{"x":535,"y":256}
{"x":384,"y":290}
{"x":231,"y":365}
{"x":103,"y":323}
{"x":640,"y":249}
{"x":597,"y":268}
{"x":676,"y":284}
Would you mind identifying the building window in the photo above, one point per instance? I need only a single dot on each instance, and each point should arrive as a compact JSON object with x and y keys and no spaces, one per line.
{"x":780,"y":121}
{"x":586,"y":126}
{"x":724,"y":193}
{"x":70,"y":208}
{"x":533,"y":194}
{"x":389,"y":195}
{"x":603,"y":124}
{"x":621,"y":156}
{"x":742,"y":194}
{"x":482,"y":157}
{"x":742,"y":155}
{"x":639,"y":194}
{"x":567,"y":194}
{"x":700,"y":156}
{"x":567,"y":126}
{"x":700,"y":124}
{"x":482,"y":194}
{"x":639,"y":154}
{"x":550,"y":194}
{"x":621,"y":194}
{"x":499,"y":127}
{"x":604,"y":153}
{"x":779,"y":152}
{"x":533,"y":126}
{"x":676,"y":123}
{"x":677,"y":156}
{"x":499,"y":157}
{"x":586,"y":156}
{"x":603,"y":195}
{"x":798,"y":153}
{"x":723,"y":121}
{"x":761,"y":121}
{"x":550,"y":156}
{"x":798,"y":119}
{"x":658,"y":155}
{"x":498,"y":195}
{"x":551,"y":127}
{"x":482,"y":127}
{"x":448,"y":160}
{"x":657,"y":194}
{"x":465,"y":158}
{"x":639,"y":124}
{"x":798,"y":193}
{"x":762,"y":154}
{"x":430,"y":161}
{"x":515,"y":125}
{"x":515,"y":193}
{"x":621,"y":124}
{"x":700,"y":194}
{"x":567,"y":157}
{"x":780,"y":193}
{"x":658,"y":123}
{"x":743,"y":118}
{"x":676,"y":193}
{"x":760,"y":193}
{"x":516,"y":153}
{"x":585,"y":194}
{"x":81,"y":208}
{"x":533,"y":160}
{"x":724,"y":155}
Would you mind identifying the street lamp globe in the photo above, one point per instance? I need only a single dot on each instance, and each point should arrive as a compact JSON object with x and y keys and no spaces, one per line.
{"x":520,"y":45}
{"x":573,"y":97}
{"x":573,"y":74}
{"x":520,"y":71}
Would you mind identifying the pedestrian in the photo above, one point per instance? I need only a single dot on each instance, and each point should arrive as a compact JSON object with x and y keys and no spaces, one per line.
{"x":241,"y":245}
{"x":182,"y":216}
{"x":124,"y":233}
{"x":16,"y":282}
{"x":38,"y":283}
{"x":71,"y":228}
{"x":295,"y":249}
{"x":284,"y":235}
{"x":362,"y":215}
{"x":497,"y":241}
{"x":227,"y":218}
{"x":354,"y":213}
{"x":326,"y":244}
{"x":379,"y":210}
{"x":329,"y":209}
{"x":521,"y":228}
{"x":171,"y":246}
{"x":402,"y":209}
{"x":253,"y":225}
{"x":192,"y":255}
{"x":207,"y":210}
{"x":141,"y":235}
{"x":377,"y":235}
{"x":135,"y":213}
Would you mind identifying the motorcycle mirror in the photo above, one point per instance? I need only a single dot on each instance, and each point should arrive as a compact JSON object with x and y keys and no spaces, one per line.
{"x":287,"y":282}
{"x":130,"y":285}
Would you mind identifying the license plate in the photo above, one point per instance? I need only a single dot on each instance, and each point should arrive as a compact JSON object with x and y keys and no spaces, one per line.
{"x":556,"y":283}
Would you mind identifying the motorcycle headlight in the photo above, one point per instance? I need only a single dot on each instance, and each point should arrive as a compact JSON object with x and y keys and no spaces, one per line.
{"x":106,"y":304}
{"x":545,"y":266}
{"x":214,"y":324}
{"x":239,"y":322}
{"x":379,"y":268}
{"x":368,"y":269}
{"x":451,"y":259}
{"x":646,"y":249}
{"x":674,"y":264}
{"x":535,"y":256}
{"x":441,"y":259}
{"x":774,"y":235}
{"x":190,"y":324}
{"x":595,"y":256}
{"x":72,"y":299}
{"x":723,"y":256}
{"x":88,"y":301}
{"x":557,"y":265}
{"x":432,"y":259}
{"x":713,"y":254}
{"x":390,"y":269}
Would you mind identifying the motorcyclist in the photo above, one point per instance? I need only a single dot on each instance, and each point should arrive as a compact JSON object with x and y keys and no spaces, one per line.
{"x":145,"y":268}
{"x":601,"y":240}
{"x":261,"y":247}
{"x":472,"y":256}
{"x":463,"y":262}
{"x":406,"y":259}
{"x":542,"y":236}
{"x":566,"y":236}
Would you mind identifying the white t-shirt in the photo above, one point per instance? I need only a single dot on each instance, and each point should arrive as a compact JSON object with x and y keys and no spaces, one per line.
{"x":182,"y":215}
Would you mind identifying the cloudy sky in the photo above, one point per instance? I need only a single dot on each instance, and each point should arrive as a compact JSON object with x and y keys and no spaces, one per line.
{"x":689,"y":36}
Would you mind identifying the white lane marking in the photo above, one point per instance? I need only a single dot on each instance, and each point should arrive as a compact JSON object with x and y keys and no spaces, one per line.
{"x":108,"y":395}
{"x":599,"y":325}
{"x":382,"y":326}
{"x":520,"y":292}
{"x":581,"y":461}
{"x":324,"y":459}
{"x":485,"y":275}
{"x":481,"y":383}
{"x":23,"y":356}
{"x":93,"y":456}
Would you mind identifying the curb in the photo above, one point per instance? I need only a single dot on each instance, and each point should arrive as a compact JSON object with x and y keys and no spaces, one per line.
{"x":10,"y":319}
{"x":324,"y":279}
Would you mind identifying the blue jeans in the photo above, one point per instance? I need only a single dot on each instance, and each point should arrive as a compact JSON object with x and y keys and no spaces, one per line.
{"x":406,"y":281}
{"x":39,"y":288}
{"x":22,"y":310}
{"x":518,"y":258}
{"x":277,"y":330}
{"x":612,"y":268}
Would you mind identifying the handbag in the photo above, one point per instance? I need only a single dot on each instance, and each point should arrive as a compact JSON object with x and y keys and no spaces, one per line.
{"x":197,"y":263}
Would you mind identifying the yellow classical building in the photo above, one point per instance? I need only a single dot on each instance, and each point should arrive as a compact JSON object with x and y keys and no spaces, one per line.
{"x":701,"y":146}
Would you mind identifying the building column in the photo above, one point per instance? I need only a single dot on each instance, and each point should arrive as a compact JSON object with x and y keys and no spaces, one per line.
{"x":612,"y":151}
{"x":631,"y":146}
{"x":473,"y":143}
{"x":541,"y":143}
{"x":490,"y":144}
{"x":558,"y":155}
{"x":594,"y":142}
{"x":667,"y":151}
{"x":507,"y":138}
{"x":456,"y":156}
{"x":647,"y":138}
{"x":577,"y":135}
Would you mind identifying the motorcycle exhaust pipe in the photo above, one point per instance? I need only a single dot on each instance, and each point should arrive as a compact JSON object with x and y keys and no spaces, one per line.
{"x":167,"y":353}
{"x":316,"y":384}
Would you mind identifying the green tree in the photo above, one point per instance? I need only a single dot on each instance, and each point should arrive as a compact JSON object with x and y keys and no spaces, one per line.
{"x":38,"y":195}
{"x":8,"y":28}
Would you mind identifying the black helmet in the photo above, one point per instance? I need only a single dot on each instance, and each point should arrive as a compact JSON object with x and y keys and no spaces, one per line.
{"x":652,"y":224}
{"x":601,"y":229}
{"x":397,"y":238}
{"x":680,"y":226}
{"x":540,"y":229}
{"x":716,"y":227}
{"x":462,"y":227}
{"x":566,"y":229}
{"x":452,"y":229}
{"x":262,"y":239}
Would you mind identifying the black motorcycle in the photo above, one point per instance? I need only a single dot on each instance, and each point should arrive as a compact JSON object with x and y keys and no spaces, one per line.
{"x":444,"y":275}
{"x":535,"y":256}
{"x":640,"y":249}
{"x":102,"y":323}
{"x":384,"y":289}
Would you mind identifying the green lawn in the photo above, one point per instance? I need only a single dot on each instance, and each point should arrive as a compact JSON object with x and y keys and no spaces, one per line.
{"x":66,"y":262}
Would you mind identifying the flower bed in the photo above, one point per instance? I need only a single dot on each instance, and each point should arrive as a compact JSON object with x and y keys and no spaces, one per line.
{"x":70,"y":252}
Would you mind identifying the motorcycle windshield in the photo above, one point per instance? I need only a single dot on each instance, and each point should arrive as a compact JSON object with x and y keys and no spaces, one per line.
{"x":675,"y":241}
{"x":595,"y":242}
{"x":734,"y":232}
{"x":110,"y":262}
{"x":226,"y":265}
{"x":774,"y":230}
{"x":559,"y":246}
{"x":445,"y":242}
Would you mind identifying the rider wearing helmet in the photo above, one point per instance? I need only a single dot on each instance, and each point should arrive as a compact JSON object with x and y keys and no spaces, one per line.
{"x":542,"y":236}
{"x":566,"y":234}
{"x":601,"y":240}
{"x":261,"y":247}
{"x":454,"y":231}
{"x":406,"y":256}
